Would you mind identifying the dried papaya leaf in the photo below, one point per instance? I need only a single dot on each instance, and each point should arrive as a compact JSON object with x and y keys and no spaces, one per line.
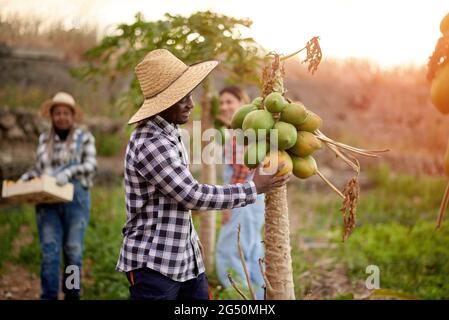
{"x":349,"y":208}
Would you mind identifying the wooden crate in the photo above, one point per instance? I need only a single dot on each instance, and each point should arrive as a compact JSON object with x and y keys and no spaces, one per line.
{"x":38,"y":190}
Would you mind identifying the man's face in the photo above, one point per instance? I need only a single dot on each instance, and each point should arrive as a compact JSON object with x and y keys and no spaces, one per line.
{"x":179,"y":113}
{"x":62,"y":117}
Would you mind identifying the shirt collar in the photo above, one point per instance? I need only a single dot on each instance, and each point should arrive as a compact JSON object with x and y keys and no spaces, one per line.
{"x":170,"y":128}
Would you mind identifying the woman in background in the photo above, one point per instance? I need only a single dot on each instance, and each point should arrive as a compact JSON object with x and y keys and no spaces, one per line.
{"x":68,"y":153}
{"x":250,"y":218}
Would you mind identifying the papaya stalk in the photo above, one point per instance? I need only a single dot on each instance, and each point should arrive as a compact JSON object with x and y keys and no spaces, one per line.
{"x":444,"y":202}
{"x":368,"y":153}
{"x":278,"y":262}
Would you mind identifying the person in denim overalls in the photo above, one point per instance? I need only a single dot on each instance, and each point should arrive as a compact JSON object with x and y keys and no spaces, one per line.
{"x":67,"y":153}
{"x":250,"y":218}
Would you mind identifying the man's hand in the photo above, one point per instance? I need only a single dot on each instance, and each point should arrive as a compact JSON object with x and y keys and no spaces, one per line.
{"x":61,"y":179}
{"x":265,"y":182}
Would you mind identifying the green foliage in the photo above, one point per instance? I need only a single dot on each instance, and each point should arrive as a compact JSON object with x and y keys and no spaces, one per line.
{"x":402,"y":198}
{"x":11,"y":219}
{"x":198,"y":37}
{"x":215,"y":106}
{"x":101,"y":246}
{"x":107,"y":144}
{"x":413,"y":259}
{"x":13,"y":95}
{"x":394,"y":232}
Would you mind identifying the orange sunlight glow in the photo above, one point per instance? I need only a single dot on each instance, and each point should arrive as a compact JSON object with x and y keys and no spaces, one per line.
{"x":386,"y":32}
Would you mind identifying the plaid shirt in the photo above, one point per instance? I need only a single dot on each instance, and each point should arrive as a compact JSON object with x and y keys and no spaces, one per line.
{"x":76,"y":160}
{"x":160,"y":192}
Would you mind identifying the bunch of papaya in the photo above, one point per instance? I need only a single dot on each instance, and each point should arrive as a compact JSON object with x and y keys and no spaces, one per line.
{"x":438,"y":72}
{"x":286,"y":131}
{"x":438,"y":75}
{"x":445,"y":200}
{"x":294,"y":126}
{"x":297,"y":137}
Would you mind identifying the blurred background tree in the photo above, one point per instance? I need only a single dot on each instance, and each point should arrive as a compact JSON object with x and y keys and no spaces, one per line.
{"x":198,"y":37}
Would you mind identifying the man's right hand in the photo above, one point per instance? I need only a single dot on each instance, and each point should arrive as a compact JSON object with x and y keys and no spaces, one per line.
{"x":265,"y":182}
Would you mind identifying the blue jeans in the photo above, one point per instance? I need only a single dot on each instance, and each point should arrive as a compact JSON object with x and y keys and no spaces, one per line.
{"x":148,"y":284}
{"x":227,"y":258}
{"x":62,"y":226}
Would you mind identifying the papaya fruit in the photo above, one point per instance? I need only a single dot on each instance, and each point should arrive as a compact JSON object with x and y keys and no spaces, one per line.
{"x":275,"y":102}
{"x":287,"y":134}
{"x":439,"y":91}
{"x":294,"y":113}
{"x":306,"y":144}
{"x":258,"y":119}
{"x":444,"y":25}
{"x":258,"y":102}
{"x":240,"y":114}
{"x":303,"y":167}
{"x":311,"y":123}
{"x":255,"y":153}
{"x":274,"y":159}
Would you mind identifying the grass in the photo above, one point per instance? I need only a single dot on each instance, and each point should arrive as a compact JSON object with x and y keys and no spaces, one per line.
{"x":395,"y":231}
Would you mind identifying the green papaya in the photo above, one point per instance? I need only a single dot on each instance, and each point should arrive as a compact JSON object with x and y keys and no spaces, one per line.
{"x":255,"y":153}
{"x":240,"y":114}
{"x":275,"y":102}
{"x":287,"y":134}
{"x":294,"y":113}
{"x":311,"y":123}
{"x":306,"y":144}
{"x":303,"y":167}
{"x":258,"y":119}
{"x":258,"y":102}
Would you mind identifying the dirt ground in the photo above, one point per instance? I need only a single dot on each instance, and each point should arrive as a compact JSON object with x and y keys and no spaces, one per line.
{"x":16,"y":283}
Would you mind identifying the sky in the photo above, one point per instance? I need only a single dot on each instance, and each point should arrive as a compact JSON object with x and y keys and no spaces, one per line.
{"x":387,"y":32}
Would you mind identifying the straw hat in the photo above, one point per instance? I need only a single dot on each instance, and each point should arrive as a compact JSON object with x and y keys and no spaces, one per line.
{"x":164,"y":80}
{"x":61,"y":98}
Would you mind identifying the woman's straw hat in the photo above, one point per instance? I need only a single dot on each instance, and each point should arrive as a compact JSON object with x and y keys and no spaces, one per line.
{"x":64,"y":99}
{"x":164,"y":80}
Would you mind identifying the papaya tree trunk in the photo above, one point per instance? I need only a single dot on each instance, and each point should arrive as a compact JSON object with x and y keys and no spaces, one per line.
{"x":208,"y":175}
{"x":278,"y":261}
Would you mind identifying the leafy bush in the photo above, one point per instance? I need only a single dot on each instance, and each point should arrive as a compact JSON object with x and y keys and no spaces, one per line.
{"x":413,"y":259}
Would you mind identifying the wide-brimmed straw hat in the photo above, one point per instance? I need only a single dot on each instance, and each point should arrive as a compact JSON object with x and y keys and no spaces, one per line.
{"x":64,"y":99}
{"x":164,"y":80}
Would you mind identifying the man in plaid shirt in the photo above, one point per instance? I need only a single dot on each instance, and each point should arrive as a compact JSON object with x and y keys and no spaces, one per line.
{"x":161,"y":253}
